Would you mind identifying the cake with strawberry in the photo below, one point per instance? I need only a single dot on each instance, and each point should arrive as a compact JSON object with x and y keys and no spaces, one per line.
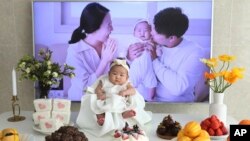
{"x":42,"y":105}
{"x":37,"y":116}
{"x":62,"y":105}
{"x":130,"y":134}
{"x":168,"y":128}
{"x":50,"y":125}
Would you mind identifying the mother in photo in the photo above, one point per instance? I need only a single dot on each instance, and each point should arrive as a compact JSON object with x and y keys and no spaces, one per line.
{"x":90,"y":51}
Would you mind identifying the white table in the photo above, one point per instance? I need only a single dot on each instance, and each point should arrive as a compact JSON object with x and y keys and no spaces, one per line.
{"x":26,"y":126}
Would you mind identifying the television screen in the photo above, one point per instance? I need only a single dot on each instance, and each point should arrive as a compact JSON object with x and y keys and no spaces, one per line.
{"x":55,"y":21}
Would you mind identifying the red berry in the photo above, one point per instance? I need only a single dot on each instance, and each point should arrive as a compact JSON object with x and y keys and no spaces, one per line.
{"x":215,"y":125}
{"x":117,"y":135}
{"x":211,"y":132}
{"x":207,"y":123}
{"x":214,"y":118}
{"x":204,"y":127}
{"x":221,"y":124}
{"x":218,"y":132}
{"x":224,"y":130}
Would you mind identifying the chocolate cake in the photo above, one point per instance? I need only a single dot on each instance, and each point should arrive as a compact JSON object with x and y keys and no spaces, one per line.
{"x":168,"y":128}
{"x":67,"y":133}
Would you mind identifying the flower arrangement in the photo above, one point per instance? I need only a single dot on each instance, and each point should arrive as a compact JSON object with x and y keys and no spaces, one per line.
{"x":221,"y":76}
{"x":43,"y":70}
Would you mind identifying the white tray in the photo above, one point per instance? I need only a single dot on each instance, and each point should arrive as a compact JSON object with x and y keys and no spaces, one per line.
{"x":38,"y":129}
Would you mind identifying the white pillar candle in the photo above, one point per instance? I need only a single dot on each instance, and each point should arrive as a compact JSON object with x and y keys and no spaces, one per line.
{"x":14,"y":82}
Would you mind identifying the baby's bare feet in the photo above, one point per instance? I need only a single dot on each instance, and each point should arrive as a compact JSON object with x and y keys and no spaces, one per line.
{"x":100,"y":119}
{"x":128,"y":114}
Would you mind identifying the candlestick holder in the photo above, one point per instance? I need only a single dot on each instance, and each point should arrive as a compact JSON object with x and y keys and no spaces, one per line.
{"x":16,"y":111}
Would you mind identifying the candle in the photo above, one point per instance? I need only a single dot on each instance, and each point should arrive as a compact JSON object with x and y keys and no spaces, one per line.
{"x":14,"y":82}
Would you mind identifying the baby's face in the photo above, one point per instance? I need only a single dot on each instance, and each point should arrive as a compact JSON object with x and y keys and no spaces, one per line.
{"x":142,"y":31}
{"x":118,"y":75}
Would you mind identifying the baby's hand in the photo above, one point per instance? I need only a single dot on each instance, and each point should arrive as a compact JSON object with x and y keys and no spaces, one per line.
{"x":134,"y":51}
{"x":149,"y":46}
{"x":99,"y":91}
{"x":123,"y":93}
{"x":158,"y":51}
{"x":101,"y":96}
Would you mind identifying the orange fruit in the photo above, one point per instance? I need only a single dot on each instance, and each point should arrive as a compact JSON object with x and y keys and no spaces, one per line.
{"x":192,"y":129}
{"x":244,"y":122}
{"x":180,"y":133}
{"x":184,"y":138}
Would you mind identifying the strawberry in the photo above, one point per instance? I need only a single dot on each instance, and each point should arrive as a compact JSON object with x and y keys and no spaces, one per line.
{"x":211,"y":132}
{"x":214,"y":118}
{"x":218,"y":132}
{"x":221,"y":124}
{"x":215,"y":125}
{"x":204,"y":127}
{"x":208,"y":119}
{"x":224,"y":130}
{"x":207,"y":123}
{"x":117,"y":135}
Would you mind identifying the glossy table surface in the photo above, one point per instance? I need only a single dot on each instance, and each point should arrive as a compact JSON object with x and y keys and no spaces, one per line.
{"x":26,"y":126}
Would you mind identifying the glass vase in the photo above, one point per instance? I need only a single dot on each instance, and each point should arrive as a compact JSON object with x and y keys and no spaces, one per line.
{"x":218,"y":108}
{"x":43,"y":90}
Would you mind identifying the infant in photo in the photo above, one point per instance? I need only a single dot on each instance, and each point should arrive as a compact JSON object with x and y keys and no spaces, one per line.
{"x":141,"y":71}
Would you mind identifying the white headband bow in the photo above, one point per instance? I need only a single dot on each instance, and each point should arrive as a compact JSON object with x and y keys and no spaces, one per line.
{"x":140,"y":21}
{"x":120,"y":62}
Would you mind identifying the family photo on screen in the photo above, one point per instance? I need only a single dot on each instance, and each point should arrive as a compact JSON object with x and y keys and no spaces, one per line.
{"x":146,"y":51}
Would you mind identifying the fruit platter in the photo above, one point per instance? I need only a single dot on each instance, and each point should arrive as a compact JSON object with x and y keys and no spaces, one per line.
{"x":215,"y":128}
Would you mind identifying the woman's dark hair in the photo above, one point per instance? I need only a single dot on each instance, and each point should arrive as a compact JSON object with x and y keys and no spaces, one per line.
{"x":91,"y":20}
{"x":171,"y":22}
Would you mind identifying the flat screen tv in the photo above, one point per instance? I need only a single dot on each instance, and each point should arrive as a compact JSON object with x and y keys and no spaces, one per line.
{"x":54,"y":22}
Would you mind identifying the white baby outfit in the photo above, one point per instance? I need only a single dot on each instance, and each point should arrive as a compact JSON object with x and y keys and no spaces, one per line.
{"x":113,"y":108}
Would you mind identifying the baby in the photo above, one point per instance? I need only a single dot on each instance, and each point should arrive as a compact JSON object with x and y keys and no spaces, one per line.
{"x":141,"y":71}
{"x":111,"y":102}
{"x":142,"y":31}
{"x":114,"y":91}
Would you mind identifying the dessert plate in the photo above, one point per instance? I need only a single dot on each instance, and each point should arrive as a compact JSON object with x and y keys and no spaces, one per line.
{"x":223,"y":137}
{"x":174,"y":139}
{"x":165,"y":137}
{"x":38,"y":129}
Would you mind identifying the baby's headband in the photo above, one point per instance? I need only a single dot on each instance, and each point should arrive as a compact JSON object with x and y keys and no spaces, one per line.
{"x":140,"y":21}
{"x":120,"y":62}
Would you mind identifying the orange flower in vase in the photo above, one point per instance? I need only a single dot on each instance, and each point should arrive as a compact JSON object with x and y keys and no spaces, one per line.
{"x":220,"y":77}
